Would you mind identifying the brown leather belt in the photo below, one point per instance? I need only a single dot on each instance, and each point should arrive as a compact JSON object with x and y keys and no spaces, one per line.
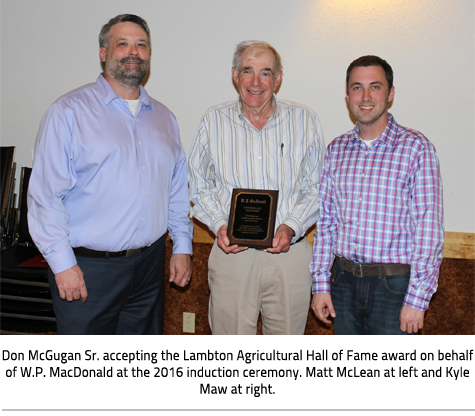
{"x":373,"y":269}
{"x":87,"y":252}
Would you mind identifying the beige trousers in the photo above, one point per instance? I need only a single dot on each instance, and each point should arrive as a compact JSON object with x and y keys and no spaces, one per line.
{"x":253,"y":281}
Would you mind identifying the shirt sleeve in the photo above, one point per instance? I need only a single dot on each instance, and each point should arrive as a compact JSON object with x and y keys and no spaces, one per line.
{"x":51,"y":180}
{"x":202,"y":180}
{"x":326,"y":233}
{"x":180,"y":226}
{"x":306,"y":210}
{"x":428,"y":218}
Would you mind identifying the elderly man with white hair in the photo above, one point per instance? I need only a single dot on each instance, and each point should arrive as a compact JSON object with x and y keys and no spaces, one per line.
{"x":263,"y":143}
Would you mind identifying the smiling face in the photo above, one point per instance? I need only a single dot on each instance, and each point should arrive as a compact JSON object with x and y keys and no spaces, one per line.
{"x":127,"y":58}
{"x":257,"y":80}
{"x":368,"y":96}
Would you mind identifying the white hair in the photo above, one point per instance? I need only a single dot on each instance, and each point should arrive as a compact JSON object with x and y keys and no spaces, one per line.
{"x":255,"y":45}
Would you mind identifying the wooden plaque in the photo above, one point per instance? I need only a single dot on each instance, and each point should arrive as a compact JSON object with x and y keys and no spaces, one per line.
{"x":252,"y":217}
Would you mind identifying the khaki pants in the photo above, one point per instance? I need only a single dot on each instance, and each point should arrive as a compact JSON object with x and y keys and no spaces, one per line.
{"x":253,"y":281}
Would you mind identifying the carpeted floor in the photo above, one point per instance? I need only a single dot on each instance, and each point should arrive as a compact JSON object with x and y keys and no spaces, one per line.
{"x":451,"y":311}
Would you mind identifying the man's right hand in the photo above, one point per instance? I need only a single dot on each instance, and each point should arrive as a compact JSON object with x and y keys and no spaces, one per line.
{"x":322,"y":306}
{"x":223,"y":241}
{"x":71,"y":284}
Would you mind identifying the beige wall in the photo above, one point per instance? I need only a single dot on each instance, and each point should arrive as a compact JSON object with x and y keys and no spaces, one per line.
{"x":49,"y":47}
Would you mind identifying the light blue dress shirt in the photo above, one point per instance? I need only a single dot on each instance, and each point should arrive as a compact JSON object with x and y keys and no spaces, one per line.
{"x":106,"y":179}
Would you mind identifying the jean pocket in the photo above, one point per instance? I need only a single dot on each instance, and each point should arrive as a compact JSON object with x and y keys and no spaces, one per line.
{"x":337,"y":273}
{"x":397,"y":284}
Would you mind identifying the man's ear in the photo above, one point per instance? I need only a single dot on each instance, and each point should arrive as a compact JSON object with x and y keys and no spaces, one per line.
{"x":235,"y":75}
{"x":102,"y":53}
{"x":278,"y":81}
{"x":391,"y":94}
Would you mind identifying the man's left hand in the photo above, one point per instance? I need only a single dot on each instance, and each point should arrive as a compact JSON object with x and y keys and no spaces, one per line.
{"x":282,"y":239}
{"x":180,"y":269}
{"x":411,"y":319}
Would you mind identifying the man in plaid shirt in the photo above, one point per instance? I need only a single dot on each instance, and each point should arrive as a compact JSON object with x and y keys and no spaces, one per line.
{"x":381,"y":218}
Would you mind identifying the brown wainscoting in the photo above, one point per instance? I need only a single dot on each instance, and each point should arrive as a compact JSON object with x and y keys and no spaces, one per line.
{"x":457,"y":245}
{"x":451,"y":311}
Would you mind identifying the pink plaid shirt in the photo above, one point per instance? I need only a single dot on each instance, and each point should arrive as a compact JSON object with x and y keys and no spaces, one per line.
{"x":382,"y":205}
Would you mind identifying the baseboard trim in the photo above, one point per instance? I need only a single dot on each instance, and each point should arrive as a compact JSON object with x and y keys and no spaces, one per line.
{"x":457,"y":245}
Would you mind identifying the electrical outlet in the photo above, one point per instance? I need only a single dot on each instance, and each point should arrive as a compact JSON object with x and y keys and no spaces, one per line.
{"x":189,"y":322}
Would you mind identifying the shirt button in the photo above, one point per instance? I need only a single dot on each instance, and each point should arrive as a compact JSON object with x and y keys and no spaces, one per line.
{"x":140,"y":143}
{"x":143,"y":219}
{"x":146,"y":193}
{"x":360,"y":199}
{"x":143,"y":167}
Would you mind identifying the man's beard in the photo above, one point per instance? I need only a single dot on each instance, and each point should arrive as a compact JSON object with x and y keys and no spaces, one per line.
{"x":130,"y":77}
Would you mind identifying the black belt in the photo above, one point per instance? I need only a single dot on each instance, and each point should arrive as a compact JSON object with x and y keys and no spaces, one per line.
{"x":298,"y":241}
{"x":373,"y":269}
{"x":87,"y":252}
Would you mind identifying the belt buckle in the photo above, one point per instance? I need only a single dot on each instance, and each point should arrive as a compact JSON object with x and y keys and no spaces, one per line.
{"x":358,"y":271}
{"x":132,"y":252}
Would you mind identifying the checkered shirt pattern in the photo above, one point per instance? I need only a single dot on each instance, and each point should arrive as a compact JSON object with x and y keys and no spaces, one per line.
{"x":382,"y":204}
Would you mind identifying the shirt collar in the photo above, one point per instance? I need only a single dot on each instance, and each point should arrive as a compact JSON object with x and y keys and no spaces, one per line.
{"x":274,"y":114}
{"x":109,"y":93}
{"x":388,"y":136}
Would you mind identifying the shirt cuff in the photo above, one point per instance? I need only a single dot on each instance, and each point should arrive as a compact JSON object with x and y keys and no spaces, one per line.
{"x":61,"y":261}
{"x":218,"y":224}
{"x":417,"y":299}
{"x":182,"y":245}
{"x":296,"y":226}
{"x":320,"y":285}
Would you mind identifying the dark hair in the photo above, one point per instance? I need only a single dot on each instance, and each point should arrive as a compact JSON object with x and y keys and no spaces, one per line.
{"x":371,"y":60}
{"x":121,"y":18}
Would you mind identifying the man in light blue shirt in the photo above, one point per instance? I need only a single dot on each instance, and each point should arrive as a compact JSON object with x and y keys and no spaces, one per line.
{"x":109,"y":178}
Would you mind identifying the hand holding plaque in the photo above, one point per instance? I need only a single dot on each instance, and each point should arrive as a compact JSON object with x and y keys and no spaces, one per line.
{"x":252,"y":217}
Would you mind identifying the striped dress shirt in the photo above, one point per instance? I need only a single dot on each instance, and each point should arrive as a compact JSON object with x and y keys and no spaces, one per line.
{"x":382,"y":204}
{"x":286,"y":155}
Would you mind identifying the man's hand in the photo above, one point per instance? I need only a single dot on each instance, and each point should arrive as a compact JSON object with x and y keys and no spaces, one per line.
{"x":223,"y":241}
{"x":282,"y":240}
{"x":322,"y":306}
{"x":71,"y":284}
{"x":180,"y":269}
{"x":411,"y":319}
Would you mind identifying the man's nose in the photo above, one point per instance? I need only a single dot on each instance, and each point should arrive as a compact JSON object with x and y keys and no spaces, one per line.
{"x":366,"y":94}
{"x":256,"y":79}
{"x":133,"y":50}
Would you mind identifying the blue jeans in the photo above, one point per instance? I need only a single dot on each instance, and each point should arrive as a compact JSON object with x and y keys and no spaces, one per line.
{"x":368,"y":305}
